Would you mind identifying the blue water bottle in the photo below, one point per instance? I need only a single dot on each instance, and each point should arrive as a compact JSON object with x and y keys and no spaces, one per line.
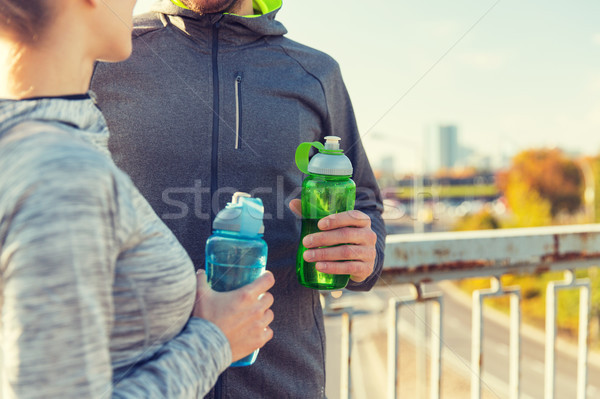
{"x":236,"y":254}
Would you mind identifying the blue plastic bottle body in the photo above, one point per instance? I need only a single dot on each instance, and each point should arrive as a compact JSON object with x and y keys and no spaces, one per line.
{"x":232,"y":261}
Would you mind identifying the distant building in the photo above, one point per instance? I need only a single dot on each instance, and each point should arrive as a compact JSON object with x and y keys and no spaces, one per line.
{"x":448,"y":146}
{"x":386,"y":165}
{"x":386,"y":173}
{"x":442,"y":150}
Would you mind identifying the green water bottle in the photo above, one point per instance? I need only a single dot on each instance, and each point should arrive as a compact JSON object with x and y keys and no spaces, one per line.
{"x":327,"y":189}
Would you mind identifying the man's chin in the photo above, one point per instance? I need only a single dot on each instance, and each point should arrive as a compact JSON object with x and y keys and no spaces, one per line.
{"x":209,"y":6}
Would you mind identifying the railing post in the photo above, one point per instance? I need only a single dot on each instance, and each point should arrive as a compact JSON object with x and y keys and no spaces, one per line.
{"x":421,"y":349}
{"x":346,"y":354}
{"x":495,"y":290}
{"x":436,"y":347}
{"x":436,"y":341}
{"x":582,"y":350}
{"x":584,"y":311}
{"x":550,"y":340}
{"x":476,"y":338}
{"x":515,"y":345}
{"x":393,"y":340}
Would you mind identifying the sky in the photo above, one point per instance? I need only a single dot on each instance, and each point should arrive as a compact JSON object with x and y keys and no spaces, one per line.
{"x":509,"y":74}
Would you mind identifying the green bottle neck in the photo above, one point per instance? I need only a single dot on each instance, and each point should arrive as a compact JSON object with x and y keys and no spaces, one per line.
{"x":329,"y":177}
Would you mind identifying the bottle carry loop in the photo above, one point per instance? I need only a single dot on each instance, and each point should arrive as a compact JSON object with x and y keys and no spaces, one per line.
{"x":302,"y":153}
{"x":320,"y":165}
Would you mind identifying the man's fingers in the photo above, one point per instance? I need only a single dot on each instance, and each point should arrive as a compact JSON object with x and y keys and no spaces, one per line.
{"x":341,"y":252}
{"x":296,"y":207}
{"x":346,"y":235}
{"x":345,"y":219}
{"x":353,"y":268}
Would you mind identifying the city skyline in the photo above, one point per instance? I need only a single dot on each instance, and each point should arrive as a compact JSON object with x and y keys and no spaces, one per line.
{"x":510,"y":75}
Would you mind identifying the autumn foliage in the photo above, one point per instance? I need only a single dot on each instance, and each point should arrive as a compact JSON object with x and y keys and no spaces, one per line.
{"x":539,"y":185}
{"x":543,"y":181}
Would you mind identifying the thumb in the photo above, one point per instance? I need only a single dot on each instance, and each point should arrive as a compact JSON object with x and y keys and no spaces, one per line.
{"x":202,"y":287}
{"x":296,"y":207}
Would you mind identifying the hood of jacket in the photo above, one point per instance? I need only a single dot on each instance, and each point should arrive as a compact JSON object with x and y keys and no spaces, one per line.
{"x":77,"y":114}
{"x":236,"y":29}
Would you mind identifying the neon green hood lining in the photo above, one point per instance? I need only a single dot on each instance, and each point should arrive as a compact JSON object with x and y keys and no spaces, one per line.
{"x":261,"y":7}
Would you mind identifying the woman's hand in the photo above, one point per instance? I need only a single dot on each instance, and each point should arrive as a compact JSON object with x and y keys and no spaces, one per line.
{"x":243,"y":315}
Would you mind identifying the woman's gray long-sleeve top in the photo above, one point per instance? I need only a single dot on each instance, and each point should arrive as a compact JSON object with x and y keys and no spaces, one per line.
{"x":97,"y":292}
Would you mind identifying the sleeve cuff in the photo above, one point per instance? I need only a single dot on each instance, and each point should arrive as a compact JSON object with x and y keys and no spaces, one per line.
{"x":213,"y":336}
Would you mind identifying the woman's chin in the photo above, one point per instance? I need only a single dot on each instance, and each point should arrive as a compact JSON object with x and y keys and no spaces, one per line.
{"x":117,"y":56}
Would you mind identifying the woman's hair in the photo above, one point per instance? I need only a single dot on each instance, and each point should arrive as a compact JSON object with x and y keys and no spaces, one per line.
{"x":24,"y":19}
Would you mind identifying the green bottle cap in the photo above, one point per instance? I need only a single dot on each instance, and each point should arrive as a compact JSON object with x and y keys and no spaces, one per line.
{"x":329,"y":161}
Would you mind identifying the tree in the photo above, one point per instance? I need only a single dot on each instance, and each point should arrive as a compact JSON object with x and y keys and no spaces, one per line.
{"x":482,"y":220}
{"x":594,"y":164}
{"x":546,"y":177}
{"x":528,"y":207}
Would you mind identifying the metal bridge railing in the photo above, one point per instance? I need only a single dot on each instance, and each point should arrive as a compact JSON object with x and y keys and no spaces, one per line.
{"x":417,"y":259}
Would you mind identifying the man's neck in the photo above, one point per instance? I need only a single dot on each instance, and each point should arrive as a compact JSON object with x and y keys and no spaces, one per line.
{"x":242,"y":7}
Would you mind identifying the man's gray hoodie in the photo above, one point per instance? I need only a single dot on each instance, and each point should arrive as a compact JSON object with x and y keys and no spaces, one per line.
{"x":212,"y":104}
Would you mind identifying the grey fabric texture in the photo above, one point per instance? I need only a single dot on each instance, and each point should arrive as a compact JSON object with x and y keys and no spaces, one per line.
{"x":96,"y":291}
{"x":212,"y":104}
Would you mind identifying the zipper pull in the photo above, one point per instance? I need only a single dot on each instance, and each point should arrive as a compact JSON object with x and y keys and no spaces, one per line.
{"x":238,"y":111}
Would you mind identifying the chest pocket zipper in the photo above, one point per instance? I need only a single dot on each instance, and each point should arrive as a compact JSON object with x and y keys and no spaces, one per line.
{"x":238,"y":111}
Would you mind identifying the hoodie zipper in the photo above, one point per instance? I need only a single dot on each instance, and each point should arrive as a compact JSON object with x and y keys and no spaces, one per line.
{"x":214,"y":162}
{"x":238,"y":111}
{"x":215,"y":131}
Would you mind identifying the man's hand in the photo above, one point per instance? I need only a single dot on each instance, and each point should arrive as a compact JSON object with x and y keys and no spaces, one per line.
{"x":243,"y":315}
{"x":351,"y":232}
